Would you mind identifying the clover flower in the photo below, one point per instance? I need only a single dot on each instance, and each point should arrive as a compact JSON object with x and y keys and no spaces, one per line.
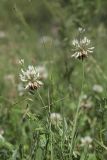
{"x":31,"y":78}
{"x":55,"y":118}
{"x":86,"y":102}
{"x":86,"y":141}
{"x":81,"y":48}
{"x":97,"y":88}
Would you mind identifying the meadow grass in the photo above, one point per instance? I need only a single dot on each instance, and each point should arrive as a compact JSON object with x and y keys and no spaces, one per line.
{"x":65,"y":119}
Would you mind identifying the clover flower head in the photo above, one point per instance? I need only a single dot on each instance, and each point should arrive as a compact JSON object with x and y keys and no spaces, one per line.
{"x":97,"y":88}
{"x":86,"y":141}
{"x":81,"y":30}
{"x":55,"y":118}
{"x":31,"y":78}
{"x":86,"y":102}
{"x":81,"y":48}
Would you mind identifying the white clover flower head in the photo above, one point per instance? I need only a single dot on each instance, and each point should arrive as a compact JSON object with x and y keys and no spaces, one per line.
{"x":81,"y":30}
{"x":87,"y":104}
{"x":86,"y":141}
{"x":43,"y":73}
{"x":97,"y":88}
{"x":55,"y":118}
{"x":81,"y":48}
{"x":31,"y":78}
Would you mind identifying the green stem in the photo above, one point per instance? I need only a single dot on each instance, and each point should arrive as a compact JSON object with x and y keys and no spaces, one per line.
{"x":76,"y":115}
{"x":50,"y":130}
{"x":40,"y":97}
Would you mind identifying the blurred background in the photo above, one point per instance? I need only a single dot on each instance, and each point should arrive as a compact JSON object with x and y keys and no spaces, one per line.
{"x":41,"y":32}
{"x":24,"y":24}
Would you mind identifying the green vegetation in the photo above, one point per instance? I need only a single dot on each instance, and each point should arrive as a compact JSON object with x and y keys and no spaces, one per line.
{"x":66,"y":118}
